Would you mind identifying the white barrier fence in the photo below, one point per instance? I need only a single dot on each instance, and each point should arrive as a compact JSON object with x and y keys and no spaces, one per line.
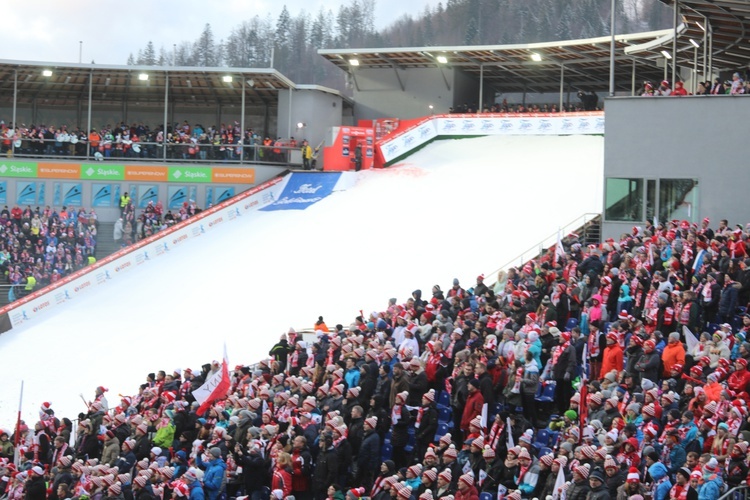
{"x":481,"y":125}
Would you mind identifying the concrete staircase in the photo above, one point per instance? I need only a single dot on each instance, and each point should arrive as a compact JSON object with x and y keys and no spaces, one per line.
{"x":105,"y":242}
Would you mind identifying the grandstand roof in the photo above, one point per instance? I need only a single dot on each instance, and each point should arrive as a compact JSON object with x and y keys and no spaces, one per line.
{"x":510,"y":68}
{"x":69,"y":83}
{"x":728,"y":20}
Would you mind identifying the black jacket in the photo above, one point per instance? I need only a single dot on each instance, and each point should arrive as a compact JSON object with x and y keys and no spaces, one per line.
{"x":369,"y":452}
{"x":36,"y":489}
{"x":428,"y":425}
{"x":326,"y":470}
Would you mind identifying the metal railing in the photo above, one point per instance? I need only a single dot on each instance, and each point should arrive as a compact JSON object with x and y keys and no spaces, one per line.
{"x":231,"y":154}
{"x":581,"y":223}
{"x":741,"y":492}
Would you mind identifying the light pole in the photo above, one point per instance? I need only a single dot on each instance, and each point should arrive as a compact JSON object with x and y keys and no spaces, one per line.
{"x":612,"y":51}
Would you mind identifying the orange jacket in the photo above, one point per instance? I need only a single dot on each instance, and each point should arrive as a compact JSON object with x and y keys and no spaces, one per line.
{"x":612,"y":359}
{"x":673,"y":353}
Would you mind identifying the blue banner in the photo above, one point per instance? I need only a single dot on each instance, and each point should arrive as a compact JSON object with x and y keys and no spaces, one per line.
{"x":209,"y":196}
{"x":146,"y":194}
{"x":72,"y":194}
{"x":177,"y":195}
{"x":303,"y":190}
{"x":26,"y":193}
{"x":224,"y":194}
{"x":101,"y":195}
{"x":40,"y":198}
{"x":3,"y":192}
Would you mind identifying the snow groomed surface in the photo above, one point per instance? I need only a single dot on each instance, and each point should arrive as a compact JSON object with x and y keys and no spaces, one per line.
{"x":457,"y":208}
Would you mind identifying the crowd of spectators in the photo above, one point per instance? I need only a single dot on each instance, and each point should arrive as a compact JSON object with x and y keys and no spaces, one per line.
{"x":735,"y":86}
{"x":131,"y":228}
{"x":577,"y":373}
{"x":139,"y":141}
{"x":40,"y":246}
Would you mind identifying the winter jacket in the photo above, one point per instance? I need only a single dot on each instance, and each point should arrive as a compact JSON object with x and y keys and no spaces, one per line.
{"x":648,"y":366}
{"x":612,"y":359}
{"x":470,"y":494}
{"x":326,"y":470}
{"x":658,"y":471}
{"x":111,"y":452}
{"x":254,"y":472}
{"x":565,"y":363}
{"x":673,"y":353}
{"x":711,"y":489}
{"x":36,"y":489}
{"x":400,"y":430}
{"x":213,"y":479}
{"x":428,"y":425}
{"x":368,"y":458}
{"x":418,"y":385}
{"x":600,"y":493}
{"x":196,"y":491}
{"x":577,"y":491}
{"x":728,"y":301}
{"x":472,"y":408}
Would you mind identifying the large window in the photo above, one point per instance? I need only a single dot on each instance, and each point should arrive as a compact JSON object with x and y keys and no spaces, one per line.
{"x":624,"y":200}
{"x":678,"y":199}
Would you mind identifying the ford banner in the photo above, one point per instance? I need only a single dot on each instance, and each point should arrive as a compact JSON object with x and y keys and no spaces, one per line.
{"x":303,"y":190}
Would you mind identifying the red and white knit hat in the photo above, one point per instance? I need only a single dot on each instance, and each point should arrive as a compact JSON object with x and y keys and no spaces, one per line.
{"x":633,"y":476}
{"x":467,"y":479}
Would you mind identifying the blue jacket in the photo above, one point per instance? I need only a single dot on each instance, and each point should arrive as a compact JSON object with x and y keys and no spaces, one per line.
{"x":214,"y":476}
{"x":711,"y":488}
{"x":196,"y":491}
{"x":352,"y":377}
{"x":658,"y":471}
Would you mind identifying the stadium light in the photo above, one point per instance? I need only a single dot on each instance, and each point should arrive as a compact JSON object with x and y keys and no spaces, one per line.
{"x":666,"y":54}
{"x":300,"y":125}
{"x":536,"y":57}
{"x":143,"y":77}
{"x":354,"y":62}
{"x":47,"y":72}
{"x":226,"y":78}
{"x":695,"y":44}
{"x":442,"y":59}
{"x":700,"y":26}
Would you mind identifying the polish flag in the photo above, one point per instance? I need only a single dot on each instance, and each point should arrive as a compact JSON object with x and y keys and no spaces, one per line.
{"x":215,"y":388}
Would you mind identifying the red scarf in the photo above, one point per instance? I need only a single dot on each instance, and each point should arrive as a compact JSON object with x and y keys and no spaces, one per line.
{"x":558,"y":352}
{"x":495,"y":432}
{"x":420,"y":412}
{"x":395,"y":414}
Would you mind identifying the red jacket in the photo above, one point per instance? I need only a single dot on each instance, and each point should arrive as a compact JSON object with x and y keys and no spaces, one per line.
{"x":282,"y":480}
{"x":739,"y":380}
{"x":612,"y":359}
{"x":471,"y":494}
{"x":473,"y":408}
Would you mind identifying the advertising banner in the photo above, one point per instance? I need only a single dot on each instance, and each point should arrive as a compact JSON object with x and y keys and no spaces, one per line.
{"x":147,"y":193}
{"x":117,"y":172}
{"x":101,"y":195}
{"x":176,"y":196}
{"x":303,"y":190}
{"x":26,"y":193}
{"x":71,"y":193}
{"x":402,"y":142}
{"x":3,"y":192}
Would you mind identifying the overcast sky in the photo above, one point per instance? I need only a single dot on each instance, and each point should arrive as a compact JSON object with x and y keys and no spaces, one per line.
{"x":50,"y":31}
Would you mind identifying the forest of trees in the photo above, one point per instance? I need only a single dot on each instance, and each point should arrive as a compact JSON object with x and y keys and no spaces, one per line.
{"x":290,"y":42}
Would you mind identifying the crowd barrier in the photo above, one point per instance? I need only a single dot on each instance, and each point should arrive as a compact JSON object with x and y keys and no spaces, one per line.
{"x":410,"y":138}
